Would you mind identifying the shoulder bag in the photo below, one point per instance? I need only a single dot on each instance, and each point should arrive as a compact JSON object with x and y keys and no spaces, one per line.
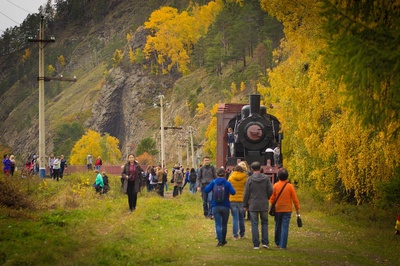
{"x":272,"y":208}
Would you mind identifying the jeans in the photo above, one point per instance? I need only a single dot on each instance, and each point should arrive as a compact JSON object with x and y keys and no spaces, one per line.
{"x":221,"y":217}
{"x":264,"y":228}
{"x":238,"y":219}
{"x":206,"y":197}
{"x":193,"y":188}
{"x":282,"y":220}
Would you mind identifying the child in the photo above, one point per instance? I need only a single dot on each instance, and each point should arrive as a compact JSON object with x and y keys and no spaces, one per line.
{"x":105,"y":182}
{"x":99,"y":184}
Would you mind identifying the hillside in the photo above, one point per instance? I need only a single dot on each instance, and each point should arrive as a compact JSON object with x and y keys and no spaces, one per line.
{"x":108,"y":98}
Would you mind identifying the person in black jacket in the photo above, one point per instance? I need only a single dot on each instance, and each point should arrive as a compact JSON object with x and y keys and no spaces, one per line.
{"x":132,"y":173}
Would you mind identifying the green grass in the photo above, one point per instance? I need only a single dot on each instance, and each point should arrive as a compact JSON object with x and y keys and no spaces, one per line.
{"x":71,"y":225}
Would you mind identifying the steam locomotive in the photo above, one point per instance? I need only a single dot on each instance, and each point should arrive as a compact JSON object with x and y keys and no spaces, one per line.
{"x":256,"y":135}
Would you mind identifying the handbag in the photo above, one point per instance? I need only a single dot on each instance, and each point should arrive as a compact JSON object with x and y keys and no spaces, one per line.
{"x":299,"y":221}
{"x":272,"y":208}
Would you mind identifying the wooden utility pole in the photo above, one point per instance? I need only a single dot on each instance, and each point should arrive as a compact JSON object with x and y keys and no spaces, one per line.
{"x":41,"y":79}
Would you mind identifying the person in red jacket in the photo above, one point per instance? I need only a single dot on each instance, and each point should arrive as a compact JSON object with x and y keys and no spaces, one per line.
{"x":98,"y":163}
{"x":283,"y":207}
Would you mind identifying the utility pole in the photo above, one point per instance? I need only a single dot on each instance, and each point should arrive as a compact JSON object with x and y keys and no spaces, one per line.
{"x":41,"y":79}
{"x":162,"y":130}
{"x":192,"y":147}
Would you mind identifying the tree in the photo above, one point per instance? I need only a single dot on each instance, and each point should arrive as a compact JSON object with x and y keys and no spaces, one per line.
{"x":117,"y":58}
{"x":66,"y":136}
{"x":174,"y":34}
{"x":363,"y":53}
{"x":96,"y":145}
{"x":147,"y":145}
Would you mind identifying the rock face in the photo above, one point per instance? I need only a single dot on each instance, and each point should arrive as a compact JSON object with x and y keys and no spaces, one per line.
{"x":124,"y":96}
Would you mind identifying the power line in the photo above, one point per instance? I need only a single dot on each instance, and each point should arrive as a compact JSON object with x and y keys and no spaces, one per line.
{"x":8,"y":17}
{"x":19,"y":7}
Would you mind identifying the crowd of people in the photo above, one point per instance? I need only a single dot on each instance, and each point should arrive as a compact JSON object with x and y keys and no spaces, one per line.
{"x":247,"y":190}
{"x":244,"y":190}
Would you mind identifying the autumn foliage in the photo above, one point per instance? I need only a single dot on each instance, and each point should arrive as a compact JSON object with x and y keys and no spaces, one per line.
{"x":326,"y":145}
{"x":96,"y":145}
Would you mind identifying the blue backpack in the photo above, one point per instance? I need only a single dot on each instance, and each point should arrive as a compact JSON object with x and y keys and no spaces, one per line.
{"x":218,"y":192}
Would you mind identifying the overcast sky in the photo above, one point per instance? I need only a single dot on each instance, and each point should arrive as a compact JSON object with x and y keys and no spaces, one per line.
{"x":13,"y":12}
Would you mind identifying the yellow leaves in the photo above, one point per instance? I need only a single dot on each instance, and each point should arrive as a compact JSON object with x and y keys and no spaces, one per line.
{"x":178,"y":121}
{"x":94,"y":144}
{"x":234,"y":90}
{"x":131,"y":55}
{"x":117,"y":58}
{"x":129,"y":37}
{"x":27,"y":54}
{"x":201,"y":109}
{"x":61,"y":60}
{"x":242,"y":86}
{"x":174,"y":34}
{"x":210,"y":146}
{"x":51,"y":70}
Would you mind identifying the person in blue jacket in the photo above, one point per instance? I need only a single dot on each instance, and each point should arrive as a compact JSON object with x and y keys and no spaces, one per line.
{"x":220,"y":204}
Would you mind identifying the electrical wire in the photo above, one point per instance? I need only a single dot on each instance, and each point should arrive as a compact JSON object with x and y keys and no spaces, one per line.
{"x":19,"y":7}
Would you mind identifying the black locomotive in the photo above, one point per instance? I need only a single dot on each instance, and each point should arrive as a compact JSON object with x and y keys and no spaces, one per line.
{"x":256,"y":135}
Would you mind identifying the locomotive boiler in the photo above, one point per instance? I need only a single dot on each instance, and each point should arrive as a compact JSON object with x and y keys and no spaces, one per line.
{"x":256,"y":135}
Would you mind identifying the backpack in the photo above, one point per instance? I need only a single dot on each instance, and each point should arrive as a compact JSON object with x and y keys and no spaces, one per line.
{"x":178,"y":176}
{"x":218,"y":192}
{"x":192,"y":177}
{"x":154,"y":178}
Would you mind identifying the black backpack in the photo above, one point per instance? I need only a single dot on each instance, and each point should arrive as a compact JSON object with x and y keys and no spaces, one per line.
{"x":193,"y":177}
{"x":218,"y":192}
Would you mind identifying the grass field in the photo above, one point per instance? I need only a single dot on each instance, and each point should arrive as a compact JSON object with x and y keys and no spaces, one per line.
{"x":71,"y":225}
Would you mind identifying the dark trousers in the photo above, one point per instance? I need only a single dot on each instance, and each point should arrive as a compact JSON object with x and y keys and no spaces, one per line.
{"x":132,"y":195}
{"x":160,"y":189}
{"x":177,"y":191}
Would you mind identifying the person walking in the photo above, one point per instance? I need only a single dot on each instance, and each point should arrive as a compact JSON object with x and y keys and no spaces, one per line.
{"x":160,"y":179}
{"x":56,"y":167}
{"x":51,"y":164}
{"x":258,"y":190}
{"x":98,"y":163}
{"x":192,"y":180}
{"x":221,"y":189}
{"x":205,"y":176}
{"x":132,"y":173}
{"x":238,"y":180}
{"x":283,"y":207}
{"x":63,"y":166}
{"x":6,"y":165}
{"x":12,"y":167}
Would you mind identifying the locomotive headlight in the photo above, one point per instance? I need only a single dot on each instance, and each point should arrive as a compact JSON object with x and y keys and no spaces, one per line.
{"x":254,"y":132}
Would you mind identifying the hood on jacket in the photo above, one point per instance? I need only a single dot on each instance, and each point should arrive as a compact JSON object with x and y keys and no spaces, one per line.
{"x":259,"y":177}
{"x":238,"y":176}
{"x":220,"y":180}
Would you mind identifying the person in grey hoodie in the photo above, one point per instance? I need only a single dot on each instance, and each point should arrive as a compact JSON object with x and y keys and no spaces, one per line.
{"x":257,"y":191}
{"x":206,"y":175}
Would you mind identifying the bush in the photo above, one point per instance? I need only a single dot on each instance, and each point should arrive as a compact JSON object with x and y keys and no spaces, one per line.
{"x":11,"y":196}
{"x":388,"y":192}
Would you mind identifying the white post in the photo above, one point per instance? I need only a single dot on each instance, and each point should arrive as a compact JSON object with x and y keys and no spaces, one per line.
{"x":162,"y":130}
{"x":192,"y":147}
{"x":42,"y":141}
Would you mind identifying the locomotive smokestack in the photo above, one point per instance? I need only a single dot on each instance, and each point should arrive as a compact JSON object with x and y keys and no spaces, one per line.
{"x":254,"y":104}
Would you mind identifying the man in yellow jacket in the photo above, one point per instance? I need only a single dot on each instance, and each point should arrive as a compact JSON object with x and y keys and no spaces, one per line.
{"x":238,"y":180}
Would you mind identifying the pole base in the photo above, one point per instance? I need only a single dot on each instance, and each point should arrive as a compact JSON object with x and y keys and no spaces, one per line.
{"x":42,"y":172}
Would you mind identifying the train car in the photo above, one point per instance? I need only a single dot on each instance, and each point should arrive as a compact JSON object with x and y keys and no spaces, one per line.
{"x":255,"y":133}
